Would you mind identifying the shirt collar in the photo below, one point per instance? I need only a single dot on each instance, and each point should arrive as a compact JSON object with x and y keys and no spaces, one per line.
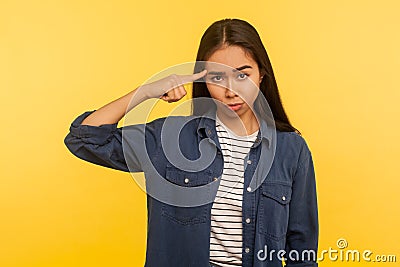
{"x":207,"y":126}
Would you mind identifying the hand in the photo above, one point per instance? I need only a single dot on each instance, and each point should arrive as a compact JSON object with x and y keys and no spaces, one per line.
{"x":171,"y":88}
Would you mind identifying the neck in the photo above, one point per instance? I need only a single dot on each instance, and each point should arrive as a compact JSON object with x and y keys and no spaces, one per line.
{"x":244,"y":125}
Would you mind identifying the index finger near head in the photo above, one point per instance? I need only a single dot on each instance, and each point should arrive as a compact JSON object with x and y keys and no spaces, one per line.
{"x":193,"y":77}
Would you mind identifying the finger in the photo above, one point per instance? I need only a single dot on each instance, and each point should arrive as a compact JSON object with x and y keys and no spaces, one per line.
{"x":181,"y":91}
{"x":165,"y":97}
{"x":171,"y":86}
{"x":199,"y":74}
{"x":170,"y":95}
{"x":177,"y":95}
{"x":176,"y":89}
{"x":193,"y":77}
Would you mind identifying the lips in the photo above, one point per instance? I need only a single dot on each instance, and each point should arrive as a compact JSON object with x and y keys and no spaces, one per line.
{"x":235,"y":106}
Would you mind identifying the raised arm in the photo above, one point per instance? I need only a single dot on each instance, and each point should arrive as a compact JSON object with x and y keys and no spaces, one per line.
{"x":94,"y":135}
{"x":169,"y":89}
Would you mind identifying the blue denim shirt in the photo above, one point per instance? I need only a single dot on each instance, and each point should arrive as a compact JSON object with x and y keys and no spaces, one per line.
{"x":280,"y":217}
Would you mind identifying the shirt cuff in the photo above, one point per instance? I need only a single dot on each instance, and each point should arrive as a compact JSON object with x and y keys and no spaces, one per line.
{"x":98,"y":135}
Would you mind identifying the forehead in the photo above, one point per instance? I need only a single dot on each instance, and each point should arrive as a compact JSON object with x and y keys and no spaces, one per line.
{"x":230,"y":57}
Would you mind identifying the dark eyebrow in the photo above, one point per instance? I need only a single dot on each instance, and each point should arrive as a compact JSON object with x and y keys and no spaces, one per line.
{"x":242,"y":68}
{"x":216,"y":73}
{"x":234,"y":70}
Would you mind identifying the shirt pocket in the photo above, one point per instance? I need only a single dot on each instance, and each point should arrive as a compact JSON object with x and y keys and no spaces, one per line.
{"x":187,"y":178}
{"x":186,"y":215}
{"x":274,"y":209}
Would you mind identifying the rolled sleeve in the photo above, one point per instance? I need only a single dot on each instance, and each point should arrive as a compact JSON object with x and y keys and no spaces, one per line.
{"x":101,"y":145}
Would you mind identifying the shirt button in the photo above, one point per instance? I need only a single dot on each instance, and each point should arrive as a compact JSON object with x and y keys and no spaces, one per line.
{"x":248,"y":220}
{"x":209,"y":132}
{"x":215,"y":178}
{"x":186,"y":180}
{"x":247,"y":250}
{"x":249,"y":189}
{"x":283,"y":198}
{"x":249,"y":162}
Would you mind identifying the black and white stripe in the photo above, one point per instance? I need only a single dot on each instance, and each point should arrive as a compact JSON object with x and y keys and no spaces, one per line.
{"x":226,"y":212}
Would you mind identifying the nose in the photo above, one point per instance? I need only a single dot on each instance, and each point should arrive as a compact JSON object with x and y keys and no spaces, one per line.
{"x":230,"y":93}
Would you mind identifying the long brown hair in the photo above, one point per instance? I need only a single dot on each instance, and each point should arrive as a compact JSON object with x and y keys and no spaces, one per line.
{"x":238,"y":32}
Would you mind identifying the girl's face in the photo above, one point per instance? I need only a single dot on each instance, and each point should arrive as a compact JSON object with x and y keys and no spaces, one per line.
{"x":233,"y":78}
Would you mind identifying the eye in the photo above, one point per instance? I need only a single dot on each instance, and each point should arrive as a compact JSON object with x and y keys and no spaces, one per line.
{"x":216,"y":78}
{"x":242,"y":76}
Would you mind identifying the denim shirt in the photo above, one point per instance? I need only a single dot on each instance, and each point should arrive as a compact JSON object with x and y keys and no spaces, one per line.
{"x":280,"y":217}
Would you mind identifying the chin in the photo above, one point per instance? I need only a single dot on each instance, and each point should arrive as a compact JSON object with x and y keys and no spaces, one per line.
{"x":230,"y":113}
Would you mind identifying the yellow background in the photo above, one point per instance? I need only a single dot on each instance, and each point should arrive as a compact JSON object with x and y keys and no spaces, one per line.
{"x":336,"y":64}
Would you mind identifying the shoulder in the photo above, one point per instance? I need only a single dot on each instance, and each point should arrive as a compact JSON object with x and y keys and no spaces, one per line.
{"x":292,"y":138}
{"x":293,"y":145}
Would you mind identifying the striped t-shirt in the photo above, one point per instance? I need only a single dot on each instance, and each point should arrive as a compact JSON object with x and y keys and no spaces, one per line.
{"x":226,"y":212}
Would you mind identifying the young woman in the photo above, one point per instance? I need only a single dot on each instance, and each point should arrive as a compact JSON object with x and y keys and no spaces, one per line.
{"x":261,"y":183}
